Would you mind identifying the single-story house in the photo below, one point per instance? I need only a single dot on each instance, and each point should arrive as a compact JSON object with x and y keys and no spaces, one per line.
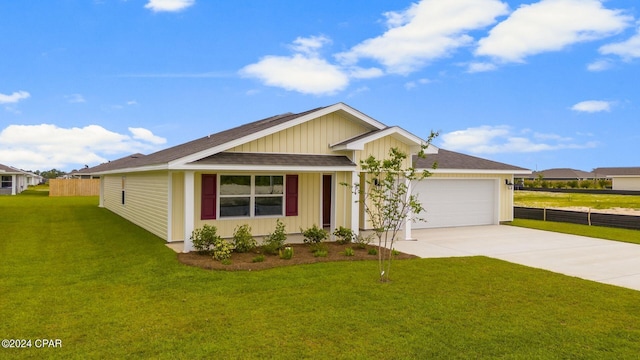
{"x":622,"y":178}
{"x":564,"y":174}
{"x":14,"y":181}
{"x":291,"y":167}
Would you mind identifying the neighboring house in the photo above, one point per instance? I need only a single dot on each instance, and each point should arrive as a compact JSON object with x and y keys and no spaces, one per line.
{"x":291,"y":167}
{"x":563,"y":174}
{"x":622,"y":178}
{"x":13,"y":181}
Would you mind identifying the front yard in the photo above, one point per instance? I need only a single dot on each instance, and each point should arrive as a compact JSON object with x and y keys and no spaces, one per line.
{"x":108,"y":289}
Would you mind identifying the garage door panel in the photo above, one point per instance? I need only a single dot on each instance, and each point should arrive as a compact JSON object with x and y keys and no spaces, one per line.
{"x":456,"y":202}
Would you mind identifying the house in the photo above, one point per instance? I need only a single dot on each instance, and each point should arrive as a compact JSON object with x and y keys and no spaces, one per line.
{"x":291,"y":167}
{"x":564,"y":174}
{"x":13,"y":181}
{"x":622,"y":178}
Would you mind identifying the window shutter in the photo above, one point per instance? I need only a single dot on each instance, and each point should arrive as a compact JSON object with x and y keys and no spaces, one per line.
{"x":292,"y":196}
{"x":209,"y":196}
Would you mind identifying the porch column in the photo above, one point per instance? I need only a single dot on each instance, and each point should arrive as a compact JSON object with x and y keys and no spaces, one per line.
{"x":355,"y":205}
{"x":14,"y":184}
{"x":101,"y":202}
{"x":408,"y":220}
{"x":189,"y":211}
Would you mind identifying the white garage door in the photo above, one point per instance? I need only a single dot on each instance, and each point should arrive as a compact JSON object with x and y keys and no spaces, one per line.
{"x":456,"y":202}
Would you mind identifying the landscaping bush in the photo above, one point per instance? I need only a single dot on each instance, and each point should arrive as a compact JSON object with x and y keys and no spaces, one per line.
{"x":348,"y":252}
{"x":286,"y":253}
{"x":344,"y":235}
{"x":363,"y":241}
{"x":204,"y":238}
{"x":243,"y":240}
{"x":314,"y":234}
{"x":275,"y":240}
{"x":222,"y":249}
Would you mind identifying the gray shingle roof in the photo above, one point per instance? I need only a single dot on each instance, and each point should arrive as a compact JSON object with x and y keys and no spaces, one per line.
{"x":235,"y":158}
{"x":562,"y":174}
{"x":446,"y":159}
{"x":9,"y":169}
{"x":621,"y":171}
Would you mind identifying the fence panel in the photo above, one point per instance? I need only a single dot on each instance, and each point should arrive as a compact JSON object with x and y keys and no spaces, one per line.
{"x":74,"y":187}
{"x":578,"y":217}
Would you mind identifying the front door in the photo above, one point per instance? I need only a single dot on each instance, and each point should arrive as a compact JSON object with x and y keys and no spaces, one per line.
{"x":326,"y":200}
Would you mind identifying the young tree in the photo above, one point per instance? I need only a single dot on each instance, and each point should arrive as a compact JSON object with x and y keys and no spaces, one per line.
{"x":387,"y":199}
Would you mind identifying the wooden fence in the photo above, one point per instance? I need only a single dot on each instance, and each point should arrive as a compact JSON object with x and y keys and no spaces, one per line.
{"x":74,"y":187}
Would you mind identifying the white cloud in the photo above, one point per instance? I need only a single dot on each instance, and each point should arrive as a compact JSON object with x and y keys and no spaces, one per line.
{"x":428,"y":30}
{"x":627,"y":50}
{"x":550,"y":25}
{"x":361,"y":73}
{"x":592,"y":106}
{"x":147,"y":136}
{"x":304,"y":71}
{"x":168,"y":5}
{"x":600,"y":65}
{"x":46,"y":146}
{"x":502,"y":139}
{"x":475,"y":67}
{"x":75,"y":98}
{"x":14,"y":98}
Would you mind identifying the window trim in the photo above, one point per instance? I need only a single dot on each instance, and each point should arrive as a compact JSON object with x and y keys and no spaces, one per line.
{"x":252,"y":197}
{"x":5,"y":181}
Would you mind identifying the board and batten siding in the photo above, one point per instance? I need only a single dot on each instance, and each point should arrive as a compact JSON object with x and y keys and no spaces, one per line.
{"x":380,"y":149}
{"x":146,"y":199}
{"x":311,"y":137}
{"x":309,"y":208}
{"x":505,"y":196}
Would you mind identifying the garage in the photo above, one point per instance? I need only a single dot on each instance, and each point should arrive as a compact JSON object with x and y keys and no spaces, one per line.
{"x":457,"y":202}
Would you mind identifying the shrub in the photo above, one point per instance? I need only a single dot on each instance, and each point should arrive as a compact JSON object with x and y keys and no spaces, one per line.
{"x":314,"y":235}
{"x":226,"y":261}
{"x":344,"y":235}
{"x":242,"y":239}
{"x":205,"y":238}
{"x":259,"y":258}
{"x":348,"y":252}
{"x":372,"y":251}
{"x":275,"y":241}
{"x":363,"y":241}
{"x":319,"y":248}
{"x":222,"y":249}
{"x":286,"y":253}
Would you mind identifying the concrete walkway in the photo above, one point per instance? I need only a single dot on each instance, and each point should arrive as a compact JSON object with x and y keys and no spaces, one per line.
{"x":609,"y":262}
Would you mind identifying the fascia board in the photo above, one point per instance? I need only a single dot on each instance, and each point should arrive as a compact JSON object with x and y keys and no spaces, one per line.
{"x":476,"y":171}
{"x":275,"y":129}
{"x":278,"y":168}
{"x":131,"y":170}
{"x":394,"y":130}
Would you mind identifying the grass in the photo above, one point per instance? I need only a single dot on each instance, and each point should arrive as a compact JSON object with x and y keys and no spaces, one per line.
{"x":601,"y":232}
{"x":540,"y":199}
{"x":108,"y":289}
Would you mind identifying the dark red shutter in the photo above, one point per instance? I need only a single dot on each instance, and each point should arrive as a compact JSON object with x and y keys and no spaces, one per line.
{"x":292,"y":196}
{"x":209,"y":193}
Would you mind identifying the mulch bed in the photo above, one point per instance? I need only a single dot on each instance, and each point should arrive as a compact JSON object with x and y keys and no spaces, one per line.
{"x":301,"y":255}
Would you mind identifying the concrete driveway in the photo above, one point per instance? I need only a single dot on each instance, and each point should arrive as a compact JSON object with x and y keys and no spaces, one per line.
{"x":604,"y":261}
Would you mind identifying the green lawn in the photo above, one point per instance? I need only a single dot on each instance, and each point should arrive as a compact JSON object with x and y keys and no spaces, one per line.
{"x":108,"y":289}
{"x":601,"y":232}
{"x":541,"y":199}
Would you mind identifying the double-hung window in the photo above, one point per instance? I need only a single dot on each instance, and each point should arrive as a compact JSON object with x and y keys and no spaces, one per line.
{"x":6,"y":182}
{"x":251,"y":195}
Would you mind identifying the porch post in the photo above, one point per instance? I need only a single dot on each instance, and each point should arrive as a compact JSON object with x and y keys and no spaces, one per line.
{"x":189,"y":211}
{"x":355,"y":205}
{"x":407,"y":223}
{"x":14,"y":184}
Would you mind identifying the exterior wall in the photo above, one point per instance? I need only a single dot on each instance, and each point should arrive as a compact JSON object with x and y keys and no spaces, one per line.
{"x":311,"y":137}
{"x":626,"y":183}
{"x":309,"y":208}
{"x":177,"y":207}
{"x":380,"y":149}
{"x":146,"y":199}
{"x":505,"y":195}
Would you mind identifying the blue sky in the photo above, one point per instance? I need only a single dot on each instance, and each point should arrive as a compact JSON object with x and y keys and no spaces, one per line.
{"x":536,"y":84}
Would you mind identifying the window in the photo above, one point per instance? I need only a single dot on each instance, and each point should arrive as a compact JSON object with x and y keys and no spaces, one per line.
{"x":249,"y":196}
{"x":123,"y":188}
{"x":6,"y":182}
